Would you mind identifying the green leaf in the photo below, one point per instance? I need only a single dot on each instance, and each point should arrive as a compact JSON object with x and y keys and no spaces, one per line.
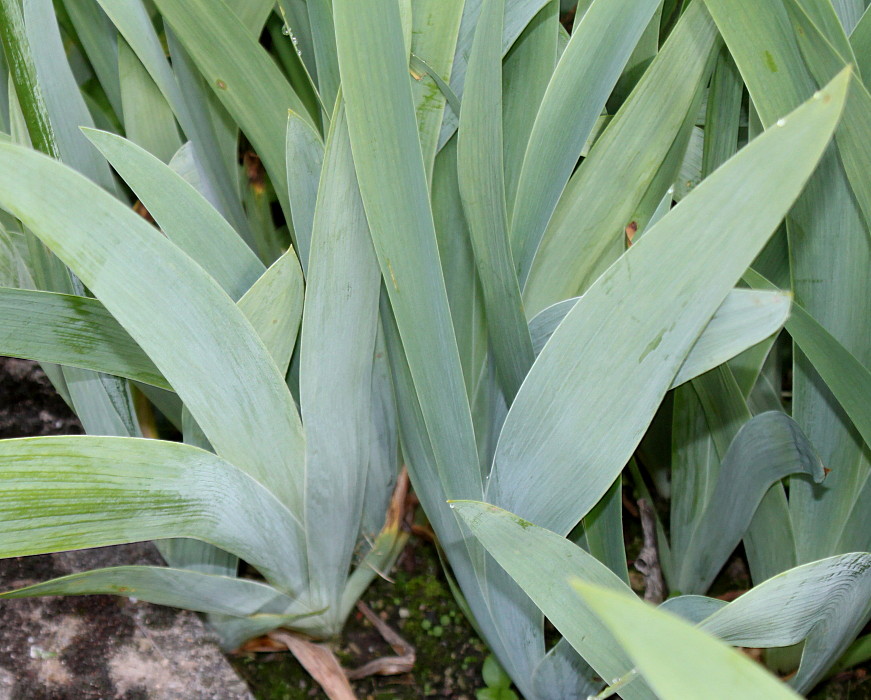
{"x":71,"y":330}
{"x":854,"y":132}
{"x":860,"y":42}
{"x":603,"y":531}
{"x":678,"y":660}
{"x":482,"y":188}
{"x":99,"y":39}
{"x":844,"y":375}
{"x":305,"y":158}
{"x":542,"y":563}
{"x":80,"y":332}
{"x":499,"y":693}
{"x":831,"y":21}
{"x":185,"y":95}
{"x":598,"y":50}
{"x":435,"y":26}
{"x":243,"y":76}
{"x":337,"y":348}
{"x":639,"y":342}
{"x":183,"y":214}
{"x":588,"y":224}
{"x":828,"y":263}
{"x":563,"y":667}
{"x":177,"y":588}
{"x":741,"y":321}
{"x":458,"y":267}
{"x":252,"y":14}
{"x":800,"y":604}
{"x":722,"y":114}
{"x":148,"y":118}
{"x":13,"y":268}
{"x":526,"y":72}
{"x":102,"y":403}
{"x":62,"y":493}
{"x":273,"y":306}
{"x":768,"y":448}
{"x":383,"y":129}
{"x":204,"y":347}
{"x":63,"y":99}
{"x":518,"y":14}
{"x":320,"y":14}
{"x":493,"y":674}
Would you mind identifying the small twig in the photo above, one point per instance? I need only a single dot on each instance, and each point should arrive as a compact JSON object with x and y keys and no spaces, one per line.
{"x":388,"y":665}
{"x":647,"y":561}
{"x":320,"y":662}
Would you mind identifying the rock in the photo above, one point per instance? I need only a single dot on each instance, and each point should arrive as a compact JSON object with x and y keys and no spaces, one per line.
{"x":93,"y":647}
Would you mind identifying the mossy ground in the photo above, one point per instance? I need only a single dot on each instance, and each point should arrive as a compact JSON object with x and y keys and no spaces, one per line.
{"x":420,"y":607}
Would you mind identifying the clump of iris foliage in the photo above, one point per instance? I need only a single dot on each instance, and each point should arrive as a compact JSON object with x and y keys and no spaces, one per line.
{"x":525,"y":264}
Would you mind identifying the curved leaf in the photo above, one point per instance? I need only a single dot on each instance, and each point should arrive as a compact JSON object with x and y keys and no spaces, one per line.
{"x":678,"y":660}
{"x":177,"y":588}
{"x":844,"y":375}
{"x":71,"y":330}
{"x":601,"y":43}
{"x":182,"y":213}
{"x":542,"y":563}
{"x":75,"y":492}
{"x":826,"y":602}
{"x":204,"y":346}
{"x":693,"y":608}
{"x":742,"y":320}
{"x":134,"y":24}
{"x":569,"y":425}
{"x":766,"y":449}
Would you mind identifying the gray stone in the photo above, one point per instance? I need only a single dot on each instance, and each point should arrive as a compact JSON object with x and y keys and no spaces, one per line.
{"x":104,"y":647}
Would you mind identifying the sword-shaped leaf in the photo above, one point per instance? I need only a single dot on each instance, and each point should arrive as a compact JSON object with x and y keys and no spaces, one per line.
{"x":62,"y":493}
{"x":597,"y":384}
{"x":678,"y":660}
{"x":177,"y":588}
{"x":182,"y":213}
{"x":742,"y":320}
{"x":826,"y":602}
{"x":766,"y":449}
{"x":602,"y":42}
{"x":543,"y":563}
{"x":481,"y":178}
{"x":188,"y":326}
